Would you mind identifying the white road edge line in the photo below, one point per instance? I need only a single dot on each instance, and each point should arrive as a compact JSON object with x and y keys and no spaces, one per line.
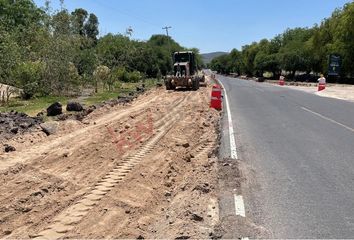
{"x":238,"y":199}
{"x":328,"y":119}
{"x":233,"y":148}
{"x":239,"y":206}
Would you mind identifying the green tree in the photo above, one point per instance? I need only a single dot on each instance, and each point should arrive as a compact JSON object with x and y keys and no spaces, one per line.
{"x":79,"y":17}
{"x":249,"y":53}
{"x":91,"y":28}
{"x":19,"y":14}
{"x":10,"y":53}
{"x":28,"y":76}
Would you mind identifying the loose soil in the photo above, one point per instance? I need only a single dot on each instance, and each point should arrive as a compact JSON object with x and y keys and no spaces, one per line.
{"x":145,"y":169}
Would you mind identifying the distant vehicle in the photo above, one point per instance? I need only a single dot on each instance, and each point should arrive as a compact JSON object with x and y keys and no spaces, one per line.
{"x":185,"y":73}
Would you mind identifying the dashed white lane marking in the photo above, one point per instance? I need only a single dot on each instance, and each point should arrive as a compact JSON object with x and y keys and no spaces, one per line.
{"x":239,"y":206}
{"x":328,"y":119}
{"x":233,"y":148}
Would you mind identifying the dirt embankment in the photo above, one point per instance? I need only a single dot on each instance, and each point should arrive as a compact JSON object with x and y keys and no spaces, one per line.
{"x":142,"y":170}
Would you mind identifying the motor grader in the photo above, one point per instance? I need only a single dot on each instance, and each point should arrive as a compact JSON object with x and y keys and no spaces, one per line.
{"x":185,"y":72}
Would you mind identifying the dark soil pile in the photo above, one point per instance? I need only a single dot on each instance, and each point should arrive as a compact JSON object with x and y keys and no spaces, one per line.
{"x":14,"y":123}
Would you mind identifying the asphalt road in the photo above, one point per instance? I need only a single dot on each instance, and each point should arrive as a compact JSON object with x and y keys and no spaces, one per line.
{"x":300,"y":148}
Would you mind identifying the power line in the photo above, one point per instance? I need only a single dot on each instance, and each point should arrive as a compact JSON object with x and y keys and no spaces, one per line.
{"x":166,"y":28}
{"x":169,"y":42}
{"x":101,"y":4}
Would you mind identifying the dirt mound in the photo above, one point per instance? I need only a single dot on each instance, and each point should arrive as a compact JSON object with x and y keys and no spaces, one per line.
{"x":140,"y":170}
{"x":14,"y":123}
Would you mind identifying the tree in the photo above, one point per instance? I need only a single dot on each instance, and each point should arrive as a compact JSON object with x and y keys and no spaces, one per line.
{"x":102,"y":74}
{"x":220,"y":64}
{"x":91,"y":28}
{"x":249,"y":53}
{"x":10,"y":53}
{"x":78,"y":20}
{"x":86,"y":62}
{"x":198,"y":57}
{"x":19,"y":14}
{"x":28,"y":76}
{"x":61,"y":23}
{"x":164,"y":47}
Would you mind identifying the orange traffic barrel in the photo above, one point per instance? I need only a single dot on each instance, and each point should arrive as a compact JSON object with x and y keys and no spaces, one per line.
{"x":321,"y":86}
{"x":216,"y":103}
{"x":216,"y":91}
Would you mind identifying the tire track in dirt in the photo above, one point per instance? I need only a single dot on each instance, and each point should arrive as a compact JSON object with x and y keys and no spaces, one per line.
{"x":80,"y":134}
{"x":68,"y":170}
{"x":101,"y":184}
{"x":74,"y":214}
{"x":160,"y":197}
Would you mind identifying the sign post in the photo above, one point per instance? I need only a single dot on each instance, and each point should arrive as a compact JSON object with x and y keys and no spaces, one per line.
{"x":334,"y":66}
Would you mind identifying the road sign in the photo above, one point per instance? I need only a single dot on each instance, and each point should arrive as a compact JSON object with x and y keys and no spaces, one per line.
{"x":334,"y":65}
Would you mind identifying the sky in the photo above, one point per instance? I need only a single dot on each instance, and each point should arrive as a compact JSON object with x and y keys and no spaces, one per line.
{"x":210,"y":25}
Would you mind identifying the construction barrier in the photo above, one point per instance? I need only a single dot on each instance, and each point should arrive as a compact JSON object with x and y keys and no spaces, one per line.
{"x":321,"y":86}
{"x":216,"y":91}
{"x":216,"y":98}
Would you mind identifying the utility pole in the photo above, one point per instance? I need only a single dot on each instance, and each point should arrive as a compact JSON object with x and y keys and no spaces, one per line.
{"x":169,"y":43}
{"x":166,"y":28}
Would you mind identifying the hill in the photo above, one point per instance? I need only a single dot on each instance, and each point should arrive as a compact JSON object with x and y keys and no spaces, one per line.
{"x":207,"y":57}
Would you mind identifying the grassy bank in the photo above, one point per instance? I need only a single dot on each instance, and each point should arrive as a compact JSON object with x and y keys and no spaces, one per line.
{"x":35,"y":105}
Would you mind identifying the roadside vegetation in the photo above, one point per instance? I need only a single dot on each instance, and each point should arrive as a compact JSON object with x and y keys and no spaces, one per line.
{"x":303,"y":50}
{"x":36,"y":104}
{"x":56,"y":53}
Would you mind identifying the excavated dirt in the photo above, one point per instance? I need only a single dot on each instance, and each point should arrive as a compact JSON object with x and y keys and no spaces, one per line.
{"x":145,"y":169}
{"x":13,"y":124}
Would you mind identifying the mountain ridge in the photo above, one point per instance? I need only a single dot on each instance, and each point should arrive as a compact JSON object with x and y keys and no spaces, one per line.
{"x":207,"y":57}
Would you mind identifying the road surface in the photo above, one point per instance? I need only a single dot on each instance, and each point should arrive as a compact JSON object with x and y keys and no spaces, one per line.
{"x":299,"y":148}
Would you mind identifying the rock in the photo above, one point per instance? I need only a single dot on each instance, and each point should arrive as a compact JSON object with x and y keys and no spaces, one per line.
{"x":125,"y":99}
{"x":9,"y":148}
{"x":7,"y":232}
{"x":185,"y":145}
{"x":55,"y":109}
{"x":49,"y":127}
{"x":26,"y":125}
{"x":14,"y":130}
{"x":41,"y":114}
{"x":188,"y":158}
{"x":183,"y":237}
{"x":205,"y":188}
{"x":168,"y":194}
{"x":196,"y":217}
{"x":74,"y":106}
{"x":140,"y":89}
{"x":140,"y":237}
{"x":127,"y":126}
